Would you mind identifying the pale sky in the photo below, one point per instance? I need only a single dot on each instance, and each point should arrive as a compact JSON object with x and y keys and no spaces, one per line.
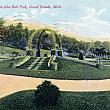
{"x":83,"y":17}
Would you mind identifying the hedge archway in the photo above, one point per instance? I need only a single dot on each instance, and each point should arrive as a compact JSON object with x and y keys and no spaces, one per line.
{"x":39,"y":34}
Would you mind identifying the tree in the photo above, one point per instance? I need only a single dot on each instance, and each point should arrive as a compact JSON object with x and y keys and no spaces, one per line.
{"x":2,"y":22}
{"x":19,"y":26}
{"x":98,"y":44}
{"x":83,"y":46}
{"x":46,"y":41}
{"x":106,"y":45}
{"x":23,"y":43}
{"x":18,"y":36}
{"x":71,"y":44}
{"x":47,"y":94}
{"x":26,"y":33}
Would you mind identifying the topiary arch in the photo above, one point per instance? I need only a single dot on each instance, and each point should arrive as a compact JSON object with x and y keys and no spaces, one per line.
{"x":39,"y":34}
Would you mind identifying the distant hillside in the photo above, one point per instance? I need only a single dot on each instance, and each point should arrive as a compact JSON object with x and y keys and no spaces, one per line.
{"x":68,"y":34}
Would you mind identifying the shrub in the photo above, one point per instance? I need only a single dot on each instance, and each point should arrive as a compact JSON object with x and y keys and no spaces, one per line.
{"x":45,"y":55}
{"x":53,"y":52}
{"x":81,"y":56}
{"x":59,"y":53}
{"x":30,"y":52}
{"x":47,"y":94}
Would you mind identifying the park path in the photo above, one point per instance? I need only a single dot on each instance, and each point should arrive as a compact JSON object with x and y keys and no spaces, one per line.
{"x":10,"y":84}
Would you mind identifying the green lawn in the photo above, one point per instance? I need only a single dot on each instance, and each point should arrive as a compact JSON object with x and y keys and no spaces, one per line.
{"x":45,"y":52}
{"x":24,"y":100}
{"x":106,"y":63}
{"x":6,"y":49}
{"x":66,"y":70}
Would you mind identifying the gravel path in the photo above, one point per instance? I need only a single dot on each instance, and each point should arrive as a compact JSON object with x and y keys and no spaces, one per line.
{"x":10,"y":84}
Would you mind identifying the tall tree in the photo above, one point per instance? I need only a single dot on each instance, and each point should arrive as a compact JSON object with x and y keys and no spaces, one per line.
{"x":2,"y":22}
{"x":106,"y":45}
{"x":98,"y":44}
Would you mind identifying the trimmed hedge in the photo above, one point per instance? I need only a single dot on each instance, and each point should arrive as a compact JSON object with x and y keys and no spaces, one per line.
{"x":60,"y":53}
{"x":31,"y":52}
{"x":53,"y":52}
{"x":81,"y":56}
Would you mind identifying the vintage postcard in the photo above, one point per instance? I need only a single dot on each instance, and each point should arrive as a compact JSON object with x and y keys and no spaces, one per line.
{"x":54,"y":55}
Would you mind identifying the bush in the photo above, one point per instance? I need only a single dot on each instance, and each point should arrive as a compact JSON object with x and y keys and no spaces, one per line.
{"x":59,"y":53}
{"x":45,"y":55}
{"x":47,"y":94}
{"x":30,"y":52}
{"x":81,"y":56}
{"x":53,"y":52}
